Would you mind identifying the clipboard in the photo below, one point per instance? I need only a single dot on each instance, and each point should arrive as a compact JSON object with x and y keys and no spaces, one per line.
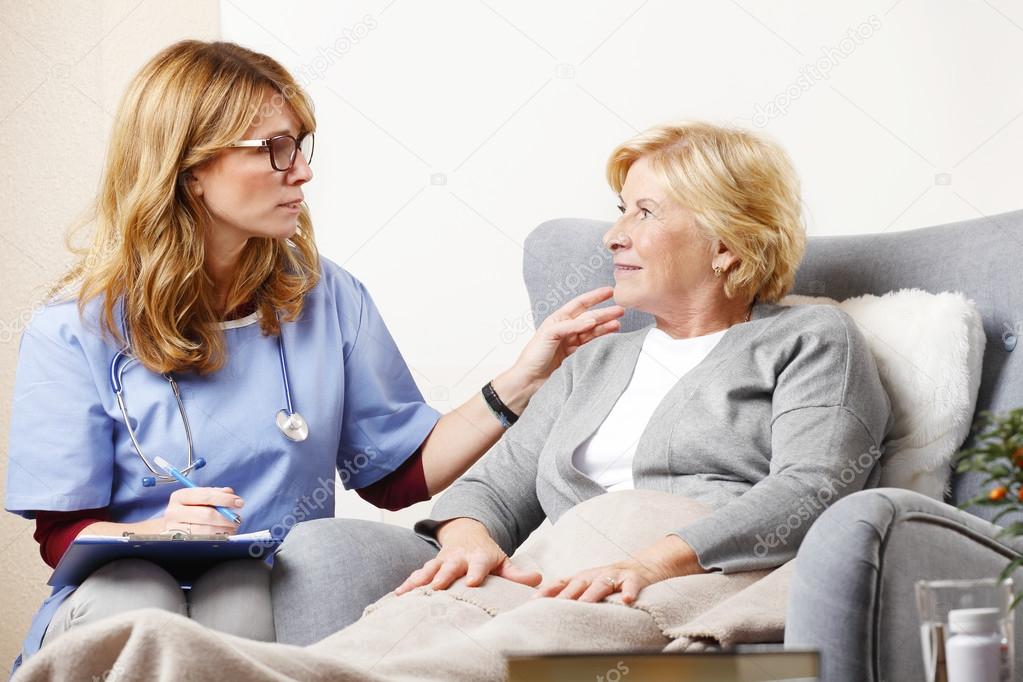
{"x":184,"y":556}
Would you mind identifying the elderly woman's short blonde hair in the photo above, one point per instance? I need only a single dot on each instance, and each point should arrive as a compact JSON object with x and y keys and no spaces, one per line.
{"x":742,"y":189}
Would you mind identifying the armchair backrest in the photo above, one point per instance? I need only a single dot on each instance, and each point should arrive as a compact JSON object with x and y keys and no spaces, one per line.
{"x":981,"y":258}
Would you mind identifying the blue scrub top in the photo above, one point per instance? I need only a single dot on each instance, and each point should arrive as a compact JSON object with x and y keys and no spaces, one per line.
{"x":69,"y":448}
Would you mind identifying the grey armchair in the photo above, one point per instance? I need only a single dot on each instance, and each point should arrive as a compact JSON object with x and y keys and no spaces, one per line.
{"x":852,"y":593}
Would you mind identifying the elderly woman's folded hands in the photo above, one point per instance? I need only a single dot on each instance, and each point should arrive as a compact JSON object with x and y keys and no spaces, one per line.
{"x":468,"y":550}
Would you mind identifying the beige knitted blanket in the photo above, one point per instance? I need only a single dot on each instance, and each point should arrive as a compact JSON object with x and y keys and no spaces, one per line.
{"x":461,"y":633}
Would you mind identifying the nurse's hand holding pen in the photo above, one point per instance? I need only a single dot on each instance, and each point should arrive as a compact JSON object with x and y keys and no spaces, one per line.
{"x":190,"y":510}
{"x":465,"y":433}
{"x":194,"y":510}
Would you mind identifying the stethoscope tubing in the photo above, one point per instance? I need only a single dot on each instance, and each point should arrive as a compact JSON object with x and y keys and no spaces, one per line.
{"x":117,"y":369}
{"x":284,"y":367}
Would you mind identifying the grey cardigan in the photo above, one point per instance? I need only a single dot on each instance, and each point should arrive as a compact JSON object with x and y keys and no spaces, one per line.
{"x":784,"y":416}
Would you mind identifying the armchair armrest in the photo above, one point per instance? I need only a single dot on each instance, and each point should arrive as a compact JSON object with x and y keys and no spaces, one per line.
{"x":852,"y":592}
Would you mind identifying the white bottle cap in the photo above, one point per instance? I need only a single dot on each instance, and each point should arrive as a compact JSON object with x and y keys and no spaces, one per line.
{"x":974,"y":621}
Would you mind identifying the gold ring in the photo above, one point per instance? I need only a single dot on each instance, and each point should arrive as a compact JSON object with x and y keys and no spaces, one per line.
{"x":613,"y":582}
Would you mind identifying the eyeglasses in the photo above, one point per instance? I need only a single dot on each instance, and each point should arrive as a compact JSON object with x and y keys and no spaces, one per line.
{"x":283,"y":149}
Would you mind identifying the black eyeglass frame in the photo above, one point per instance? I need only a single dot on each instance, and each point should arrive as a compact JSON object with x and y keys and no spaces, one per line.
{"x":267,"y":144}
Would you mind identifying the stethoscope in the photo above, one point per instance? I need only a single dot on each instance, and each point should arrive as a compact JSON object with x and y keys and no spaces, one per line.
{"x":291,"y":423}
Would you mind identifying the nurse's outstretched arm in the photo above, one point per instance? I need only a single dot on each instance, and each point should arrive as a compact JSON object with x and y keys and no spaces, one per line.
{"x":464,"y":434}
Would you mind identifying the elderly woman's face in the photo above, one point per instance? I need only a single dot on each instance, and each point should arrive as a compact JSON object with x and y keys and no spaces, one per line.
{"x":659,"y":252}
{"x":244,"y":194}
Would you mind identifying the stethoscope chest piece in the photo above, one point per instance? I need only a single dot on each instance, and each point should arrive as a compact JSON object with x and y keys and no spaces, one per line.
{"x":292,"y":425}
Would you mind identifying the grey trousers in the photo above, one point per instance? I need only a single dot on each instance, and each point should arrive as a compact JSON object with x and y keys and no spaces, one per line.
{"x":328,"y":570}
{"x":232,"y":597}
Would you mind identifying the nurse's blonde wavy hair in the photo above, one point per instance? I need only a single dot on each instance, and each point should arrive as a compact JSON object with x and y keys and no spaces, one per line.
{"x":742,"y":189}
{"x":147,"y":248}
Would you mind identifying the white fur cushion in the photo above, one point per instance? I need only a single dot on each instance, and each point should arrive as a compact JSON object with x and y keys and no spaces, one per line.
{"x":929,"y":349}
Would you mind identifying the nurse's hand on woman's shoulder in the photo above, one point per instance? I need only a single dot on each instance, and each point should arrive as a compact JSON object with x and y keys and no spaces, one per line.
{"x":466,"y":550}
{"x":192,"y":510}
{"x":565,"y":330}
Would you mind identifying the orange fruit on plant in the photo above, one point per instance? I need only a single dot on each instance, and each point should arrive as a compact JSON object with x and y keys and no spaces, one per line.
{"x":997,"y":493}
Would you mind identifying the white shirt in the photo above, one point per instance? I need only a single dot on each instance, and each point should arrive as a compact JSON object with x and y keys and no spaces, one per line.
{"x":607,"y":455}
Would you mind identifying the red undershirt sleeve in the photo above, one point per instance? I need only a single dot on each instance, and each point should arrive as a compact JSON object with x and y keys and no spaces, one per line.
{"x":401,"y":488}
{"x":56,"y":530}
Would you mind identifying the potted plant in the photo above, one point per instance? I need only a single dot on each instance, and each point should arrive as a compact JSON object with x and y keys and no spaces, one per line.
{"x":997,"y":454}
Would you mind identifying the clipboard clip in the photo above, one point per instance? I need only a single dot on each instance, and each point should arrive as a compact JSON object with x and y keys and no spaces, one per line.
{"x":172,"y":535}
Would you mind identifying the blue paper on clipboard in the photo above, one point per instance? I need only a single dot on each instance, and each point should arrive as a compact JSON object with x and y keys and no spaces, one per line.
{"x":184,"y":557}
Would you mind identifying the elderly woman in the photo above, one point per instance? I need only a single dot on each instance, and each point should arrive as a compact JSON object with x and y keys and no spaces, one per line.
{"x":729,"y":399}
{"x":747,"y":407}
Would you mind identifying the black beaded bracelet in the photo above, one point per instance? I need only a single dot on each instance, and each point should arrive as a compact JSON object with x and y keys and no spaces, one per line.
{"x":497,"y":406}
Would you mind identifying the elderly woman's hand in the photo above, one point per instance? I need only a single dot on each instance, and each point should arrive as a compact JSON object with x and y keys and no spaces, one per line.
{"x":466,"y":550}
{"x":669,"y":557}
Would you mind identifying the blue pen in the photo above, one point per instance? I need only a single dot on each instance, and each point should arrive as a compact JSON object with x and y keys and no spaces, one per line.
{"x":165,"y":465}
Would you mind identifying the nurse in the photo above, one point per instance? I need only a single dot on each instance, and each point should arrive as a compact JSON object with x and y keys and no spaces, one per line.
{"x":201,"y":324}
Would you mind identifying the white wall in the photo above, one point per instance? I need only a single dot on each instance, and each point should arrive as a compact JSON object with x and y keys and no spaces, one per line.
{"x":448,"y":130}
